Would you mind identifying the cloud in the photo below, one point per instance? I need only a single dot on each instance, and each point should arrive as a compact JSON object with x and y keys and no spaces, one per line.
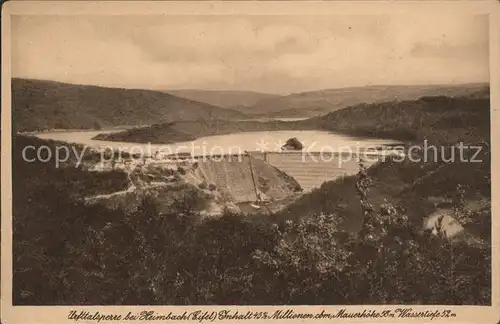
{"x":227,"y":41}
{"x":448,"y":51}
{"x":261,"y":53}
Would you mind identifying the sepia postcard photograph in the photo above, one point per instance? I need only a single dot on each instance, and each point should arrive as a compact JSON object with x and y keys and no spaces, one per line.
{"x":249,"y":161}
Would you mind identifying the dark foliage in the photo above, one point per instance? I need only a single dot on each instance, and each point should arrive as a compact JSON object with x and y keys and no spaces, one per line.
{"x":440,"y":120}
{"x":66,"y":252}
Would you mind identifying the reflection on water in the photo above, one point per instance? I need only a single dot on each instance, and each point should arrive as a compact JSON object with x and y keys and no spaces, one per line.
{"x":313,"y":141}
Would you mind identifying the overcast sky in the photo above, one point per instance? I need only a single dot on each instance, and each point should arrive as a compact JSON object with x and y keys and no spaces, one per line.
{"x":274,"y":54}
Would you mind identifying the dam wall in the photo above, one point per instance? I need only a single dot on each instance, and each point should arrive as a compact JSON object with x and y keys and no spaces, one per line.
{"x":312,"y":169}
{"x":243,"y":178}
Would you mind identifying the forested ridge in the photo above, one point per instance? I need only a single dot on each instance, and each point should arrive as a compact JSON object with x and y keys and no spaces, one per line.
{"x":439,"y":120}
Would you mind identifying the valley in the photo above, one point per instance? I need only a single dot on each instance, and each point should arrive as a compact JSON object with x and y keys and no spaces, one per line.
{"x":401,"y":122}
{"x":183,"y":180}
{"x":438,"y":119}
{"x":317,"y":103}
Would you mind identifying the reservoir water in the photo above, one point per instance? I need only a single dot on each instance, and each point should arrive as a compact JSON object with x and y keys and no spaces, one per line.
{"x":238,"y":143}
{"x":309,"y":169}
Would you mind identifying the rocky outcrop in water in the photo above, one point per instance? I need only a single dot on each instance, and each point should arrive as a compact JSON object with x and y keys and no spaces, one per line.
{"x":293,"y":144}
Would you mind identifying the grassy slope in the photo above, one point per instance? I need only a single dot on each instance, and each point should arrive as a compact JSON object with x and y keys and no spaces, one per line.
{"x":314,"y":103}
{"x":39,"y":104}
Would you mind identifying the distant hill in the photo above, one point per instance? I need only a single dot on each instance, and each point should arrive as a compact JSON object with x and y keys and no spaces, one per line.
{"x":315,"y":103}
{"x":238,"y":100}
{"x":438,"y":119}
{"x":39,"y":104}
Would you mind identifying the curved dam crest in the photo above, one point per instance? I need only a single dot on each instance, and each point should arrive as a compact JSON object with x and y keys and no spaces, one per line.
{"x":311,"y":170}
